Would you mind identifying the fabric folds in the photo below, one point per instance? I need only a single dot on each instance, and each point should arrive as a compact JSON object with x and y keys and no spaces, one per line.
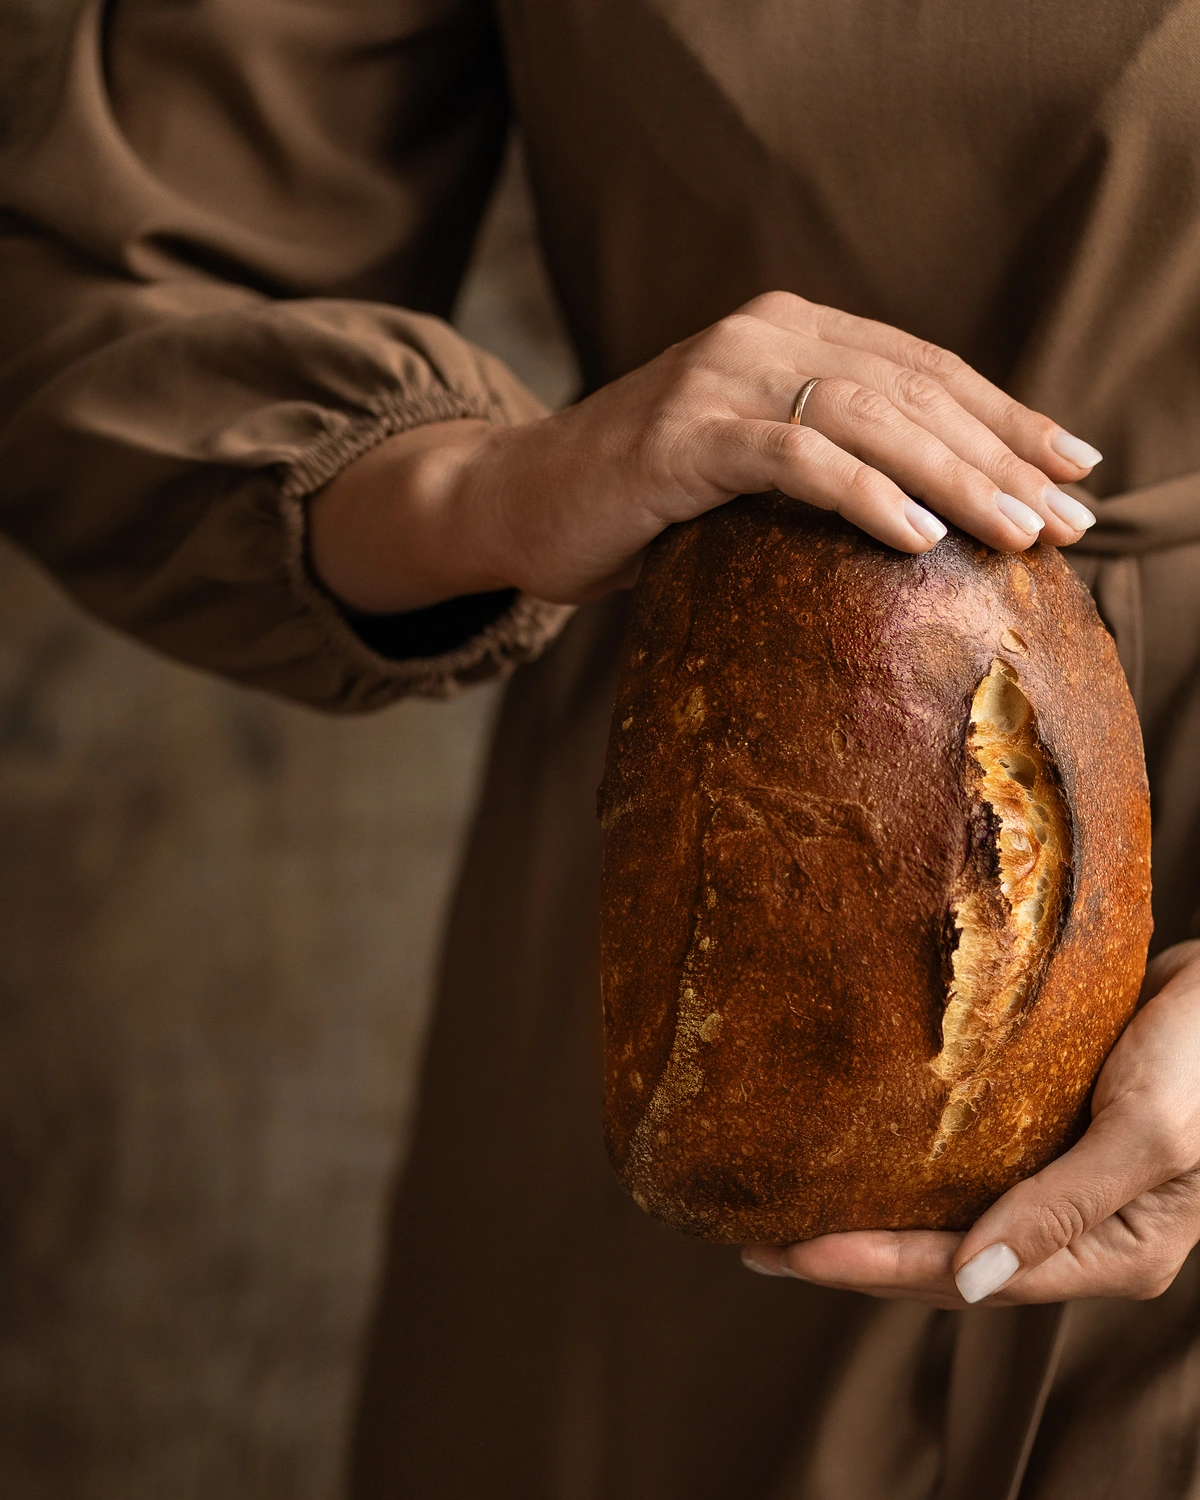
{"x":173,"y":384}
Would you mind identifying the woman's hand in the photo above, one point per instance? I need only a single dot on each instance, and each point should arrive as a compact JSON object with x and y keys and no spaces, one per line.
{"x":1113,"y":1217}
{"x":564,"y":507}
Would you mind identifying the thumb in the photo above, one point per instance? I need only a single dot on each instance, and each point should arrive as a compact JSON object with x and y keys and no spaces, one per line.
{"x":1170,"y":962}
{"x":1121,"y":1156}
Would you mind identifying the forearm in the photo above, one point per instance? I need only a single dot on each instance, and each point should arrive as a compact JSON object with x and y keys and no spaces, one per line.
{"x":389,"y":533}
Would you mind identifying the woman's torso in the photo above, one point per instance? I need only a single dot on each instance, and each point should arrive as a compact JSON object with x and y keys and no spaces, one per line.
{"x":1020,"y":183}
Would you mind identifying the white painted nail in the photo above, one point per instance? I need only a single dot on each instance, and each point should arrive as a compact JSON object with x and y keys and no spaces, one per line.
{"x":986,"y":1273}
{"x":923,"y":521}
{"x":1075,"y":449}
{"x":1068,"y":510}
{"x":756,"y":1265}
{"x":1019,"y":513}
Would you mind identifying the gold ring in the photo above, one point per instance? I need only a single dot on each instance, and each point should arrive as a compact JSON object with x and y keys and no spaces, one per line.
{"x":802,"y":395}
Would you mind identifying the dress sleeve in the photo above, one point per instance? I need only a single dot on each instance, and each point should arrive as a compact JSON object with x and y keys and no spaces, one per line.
{"x":207,"y":216}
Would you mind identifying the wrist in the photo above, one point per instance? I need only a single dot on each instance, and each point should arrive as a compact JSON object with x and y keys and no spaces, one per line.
{"x":389,"y":533}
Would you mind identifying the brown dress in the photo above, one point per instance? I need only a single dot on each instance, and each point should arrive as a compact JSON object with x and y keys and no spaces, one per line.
{"x":213,"y":214}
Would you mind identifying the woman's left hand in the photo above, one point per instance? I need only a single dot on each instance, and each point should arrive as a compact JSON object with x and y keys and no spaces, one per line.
{"x":1115,"y":1216}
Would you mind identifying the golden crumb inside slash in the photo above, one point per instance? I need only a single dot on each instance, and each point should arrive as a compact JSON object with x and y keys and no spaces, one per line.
{"x":1007,"y":903}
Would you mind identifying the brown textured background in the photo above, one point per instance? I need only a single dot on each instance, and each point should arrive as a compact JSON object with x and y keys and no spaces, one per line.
{"x":218,"y":918}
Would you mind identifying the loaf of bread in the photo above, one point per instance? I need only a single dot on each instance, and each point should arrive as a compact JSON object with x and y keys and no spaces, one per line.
{"x":876,"y":893}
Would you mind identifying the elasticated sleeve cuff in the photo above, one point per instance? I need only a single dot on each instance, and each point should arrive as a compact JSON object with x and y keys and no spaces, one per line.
{"x":431,"y":652}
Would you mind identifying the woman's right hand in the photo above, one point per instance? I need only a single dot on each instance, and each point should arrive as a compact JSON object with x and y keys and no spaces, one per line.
{"x":897,"y":433}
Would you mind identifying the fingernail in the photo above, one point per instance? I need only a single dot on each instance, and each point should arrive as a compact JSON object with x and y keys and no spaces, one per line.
{"x":756,"y":1265}
{"x":1019,"y":513}
{"x":986,"y":1273}
{"x":923,"y":521}
{"x":1075,"y":449}
{"x":1067,"y":510}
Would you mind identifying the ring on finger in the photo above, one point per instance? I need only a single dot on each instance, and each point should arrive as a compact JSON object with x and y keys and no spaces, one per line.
{"x":797,"y":417}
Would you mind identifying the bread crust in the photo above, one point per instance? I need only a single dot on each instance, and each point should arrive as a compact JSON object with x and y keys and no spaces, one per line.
{"x":797,"y":814}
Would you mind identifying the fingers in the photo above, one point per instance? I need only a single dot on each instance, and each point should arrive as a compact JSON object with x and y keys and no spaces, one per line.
{"x":1116,"y":1214}
{"x":928,"y":405}
{"x":1134,"y":1253}
{"x":746,"y":456}
{"x":1059,"y":1205}
{"x":1172,"y":961}
{"x":883,"y":1263}
{"x":898,"y":421}
{"x":866,"y":460}
{"x":1132,"y":1149}
{"x":867,"y":424}
{"x":1034,"y":437}
{"x":1031,"y":436}
{"x":1114,"y":1217}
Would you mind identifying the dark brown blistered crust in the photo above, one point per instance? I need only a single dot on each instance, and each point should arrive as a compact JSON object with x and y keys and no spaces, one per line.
{"x":786,"y":811}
